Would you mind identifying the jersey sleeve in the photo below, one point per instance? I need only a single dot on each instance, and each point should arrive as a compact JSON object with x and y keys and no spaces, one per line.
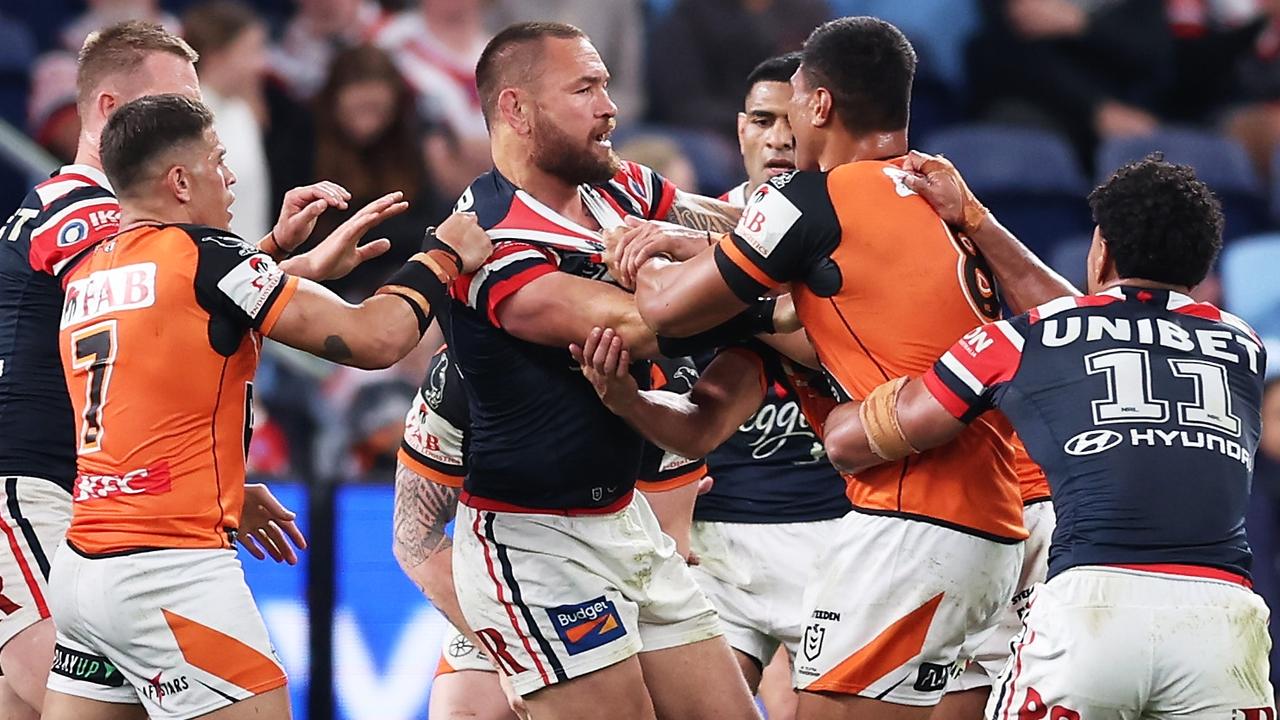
{"x":788,"y":228}
{"x":511,"y":266}
{"x":432,"y":446}
{"x":661,"y":470}
{"x":71,"y":224}
{"x":235,"y":279}
{"x":967,"y":377}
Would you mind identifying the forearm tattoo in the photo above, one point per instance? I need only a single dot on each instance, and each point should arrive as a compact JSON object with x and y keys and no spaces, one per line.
{"x":703,"y":214}
{"x":422,"y":509}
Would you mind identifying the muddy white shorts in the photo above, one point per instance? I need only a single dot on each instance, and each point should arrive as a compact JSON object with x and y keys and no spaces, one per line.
{"x":987,"y":660}
{"x":554,"y":597}
{"x":755,"y":574}
{"x":34,"y":516}
{"x":458,"y":653}
{"x":174,"y":630}
{"x":1103,"y":643}
{"x":894,"y":603}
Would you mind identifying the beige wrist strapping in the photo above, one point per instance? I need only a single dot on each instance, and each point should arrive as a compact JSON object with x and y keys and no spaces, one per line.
{"x":879,"y":413}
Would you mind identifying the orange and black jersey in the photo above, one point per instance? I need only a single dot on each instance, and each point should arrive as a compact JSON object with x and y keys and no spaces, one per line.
{"x":883,"y":287}
{"x":159,"y":337}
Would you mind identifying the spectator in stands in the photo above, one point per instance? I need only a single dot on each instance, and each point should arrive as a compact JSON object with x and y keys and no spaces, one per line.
{"x":376,"y":422}
{"x":51,"y":109}
{"x":266,"y":134}
{"x":436,"y":46}
{"x":232,"y":42}
{"x":314,"y":35}
{"x":102,"y":13}
{"x":1089,"y":68}
{"x":698,"y":73}
{"x":616,"y":30}
{"x":664,"y":155}
{"x":367,"y":136}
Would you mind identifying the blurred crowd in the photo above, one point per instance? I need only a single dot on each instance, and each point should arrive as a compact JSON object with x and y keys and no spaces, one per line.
{"x":1032,"y":98}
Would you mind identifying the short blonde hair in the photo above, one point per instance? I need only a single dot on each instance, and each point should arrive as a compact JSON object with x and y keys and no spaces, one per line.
{"x":119,"y":50}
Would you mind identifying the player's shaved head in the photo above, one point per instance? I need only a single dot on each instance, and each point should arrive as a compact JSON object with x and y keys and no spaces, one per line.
{"x":144,"y":131}
{"x":512,"y":59}
{"x":868,"y":66}
{"x":120,"y":50}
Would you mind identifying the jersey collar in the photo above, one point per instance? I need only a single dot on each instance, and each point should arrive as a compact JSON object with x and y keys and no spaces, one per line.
{"x":98,"y":177}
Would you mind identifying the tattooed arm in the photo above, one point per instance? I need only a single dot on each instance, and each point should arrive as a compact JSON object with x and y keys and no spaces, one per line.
{"x":425,"y":553}
{"x":703,"y":213}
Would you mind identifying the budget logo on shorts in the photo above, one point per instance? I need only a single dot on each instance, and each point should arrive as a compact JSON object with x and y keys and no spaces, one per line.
{"x":587,"y":625}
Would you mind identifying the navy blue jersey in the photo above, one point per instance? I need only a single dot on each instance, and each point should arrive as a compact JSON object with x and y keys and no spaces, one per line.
{"x":540,"y":438}
{"x":773,"y":469}
{"x":1142,"y":406}
{"x":56,"y":222}
{"x":437,"y":428}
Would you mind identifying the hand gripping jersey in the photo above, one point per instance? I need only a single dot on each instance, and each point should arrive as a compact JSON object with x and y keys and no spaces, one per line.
{"x":57,"y":221}
{"x":1142,"y":407}
{"x":160,"y":332}
{"x":773,"y":469}
{"x":883,"y":288}
{"x":437,"y":428}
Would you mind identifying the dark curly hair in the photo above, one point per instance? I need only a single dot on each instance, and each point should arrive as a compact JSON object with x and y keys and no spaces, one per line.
{"x":1159,"y":221}
{"x":868,"y":66}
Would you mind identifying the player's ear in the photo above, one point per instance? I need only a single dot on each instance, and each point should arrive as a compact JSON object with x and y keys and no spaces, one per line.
{"x":742,"y":125}
{"x":1098,"y":261}
{"x":178,"y":180}
{"x":514,"y":109}
{"x":107,"y":103}
{"x":820,"y":106}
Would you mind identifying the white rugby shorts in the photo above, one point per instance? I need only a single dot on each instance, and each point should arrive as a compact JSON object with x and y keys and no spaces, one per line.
{"x":895,"y":602}
{"x":1104,"y":643}
{"x":755,"y":574}
{"x":987,"y":659}
{"x":555,"y":597}
{"x":34,"y":516}
{"x":173,"y":630}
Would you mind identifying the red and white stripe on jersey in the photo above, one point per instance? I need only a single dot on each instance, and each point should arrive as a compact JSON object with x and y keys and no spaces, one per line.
{"x":1071,"y":302}
{"x":981,"y":360}
{"x":79,"y":211}
{"x":1180,"y":303}
{"x":648,"y":194}
{"x":530,"y":221}
{"x":511,"y":266}
{"x":736,"y":195}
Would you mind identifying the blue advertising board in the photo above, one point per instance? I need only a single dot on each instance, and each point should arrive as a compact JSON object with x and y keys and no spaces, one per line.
{"x":280,"y":591}
{"x":386,"y":636}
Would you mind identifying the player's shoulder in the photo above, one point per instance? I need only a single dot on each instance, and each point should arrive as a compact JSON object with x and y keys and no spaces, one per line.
{"x":490,"y":197}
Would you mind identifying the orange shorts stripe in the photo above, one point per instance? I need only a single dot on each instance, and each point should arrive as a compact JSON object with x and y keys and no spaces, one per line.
{"x":220,"y":654}
{"x":443,"y":667}
{"x":430,"y":473}
{"x":891,"y":649}
{"x":744,"y":264}
{"x":698,"y":471}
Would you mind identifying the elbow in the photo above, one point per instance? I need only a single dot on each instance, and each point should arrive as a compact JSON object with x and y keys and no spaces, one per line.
{"x":842,"y":447}
{"x":385,"y":350}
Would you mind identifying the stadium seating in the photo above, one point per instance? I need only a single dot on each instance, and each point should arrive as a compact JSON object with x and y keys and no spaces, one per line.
{"x":1068,"y":258}
{"x":1249,"y":274}
{"x":1219,"y":161}
{"x":1029,"y":178}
